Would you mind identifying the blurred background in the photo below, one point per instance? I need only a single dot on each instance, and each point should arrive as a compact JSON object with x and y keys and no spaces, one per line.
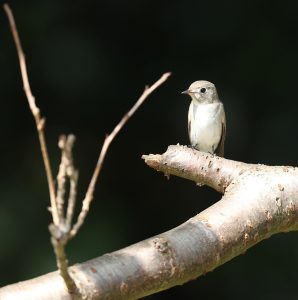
{"x":88,"y":62}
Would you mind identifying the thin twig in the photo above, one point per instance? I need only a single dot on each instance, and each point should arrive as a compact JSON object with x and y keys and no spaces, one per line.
{"x":61,"y":178}
{"x":72,"y":198}
{"x":61,"y":230}
{"x":40,"y":122}
{"x":60,"y":234}
{"x":108,"y":140}
{"x":66,"y":172}
{"x":59,"y":241}
{"x":72,"y":174}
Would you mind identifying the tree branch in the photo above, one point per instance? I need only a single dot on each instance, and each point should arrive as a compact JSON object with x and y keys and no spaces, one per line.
{"x":258,"y":202}
{"x":200,"y":167}
{"x":62,"y":229}
{"x":108,"y":140}
{"x":39,"y":121}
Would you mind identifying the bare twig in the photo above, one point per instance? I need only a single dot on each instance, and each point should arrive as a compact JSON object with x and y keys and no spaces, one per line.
{"x":40,"y":122}
{"x":108,"y":140}
{"x":61,"y":226}
{"x":59,"y":240}
{"x":62,"y":230}
{"x":72,"y":198}
{"x":61,"y":177}
{"x":67,"y":171}
{"x":60,"y":234}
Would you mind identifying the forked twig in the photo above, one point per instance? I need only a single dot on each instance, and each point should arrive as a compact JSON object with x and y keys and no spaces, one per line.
{"x":40,"y":122}
{"x":62,"y":229}
{"x":108,"y":140}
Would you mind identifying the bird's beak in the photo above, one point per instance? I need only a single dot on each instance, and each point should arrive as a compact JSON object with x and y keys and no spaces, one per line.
{"x":185,"y":92}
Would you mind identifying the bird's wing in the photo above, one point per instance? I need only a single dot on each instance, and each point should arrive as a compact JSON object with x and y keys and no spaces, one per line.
{"x":190,"y":117}
{"x":189,"y":127}
{"x":220,"y":147}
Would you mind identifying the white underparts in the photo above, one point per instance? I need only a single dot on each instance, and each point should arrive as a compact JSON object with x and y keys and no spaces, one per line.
{"x":205,"y":125}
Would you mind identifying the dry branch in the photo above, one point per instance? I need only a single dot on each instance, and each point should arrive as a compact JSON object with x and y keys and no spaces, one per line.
{"x":62,"y":229}
{"x":39,"y":121}
{"x":108,"y":140}
{"x":258,"y":202}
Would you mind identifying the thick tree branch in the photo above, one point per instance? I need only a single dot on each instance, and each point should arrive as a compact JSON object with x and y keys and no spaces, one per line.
{"x":202,"y":168}
{"x":258,"y":202}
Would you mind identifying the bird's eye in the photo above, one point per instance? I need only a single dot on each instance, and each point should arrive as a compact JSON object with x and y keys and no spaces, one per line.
{"x":203,"y":90}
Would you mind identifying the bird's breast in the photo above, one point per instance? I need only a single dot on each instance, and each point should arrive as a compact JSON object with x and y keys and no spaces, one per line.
{"x":205,"y":115}
{"x":205,"y":125}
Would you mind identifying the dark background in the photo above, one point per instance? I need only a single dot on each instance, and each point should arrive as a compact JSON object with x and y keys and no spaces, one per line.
{"x":88,"y":62}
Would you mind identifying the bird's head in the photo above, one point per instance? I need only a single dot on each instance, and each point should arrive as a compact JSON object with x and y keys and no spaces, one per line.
{"x":202,"y":91}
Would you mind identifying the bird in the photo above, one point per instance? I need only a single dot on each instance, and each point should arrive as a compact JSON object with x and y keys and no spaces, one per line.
{"x":206,"y":118}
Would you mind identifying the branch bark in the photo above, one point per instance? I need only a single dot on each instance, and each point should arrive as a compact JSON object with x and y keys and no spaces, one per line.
{"x":258,"y":201}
